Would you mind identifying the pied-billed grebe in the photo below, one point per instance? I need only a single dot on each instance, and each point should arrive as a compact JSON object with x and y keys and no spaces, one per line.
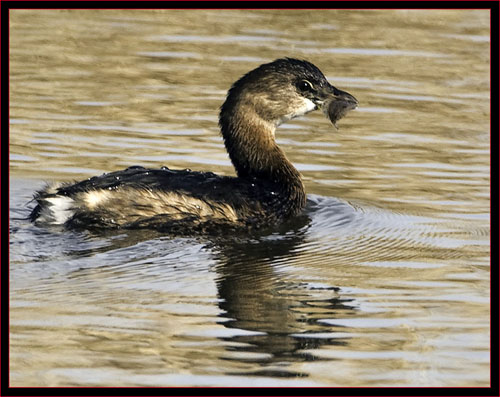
{"x":267,"y":190}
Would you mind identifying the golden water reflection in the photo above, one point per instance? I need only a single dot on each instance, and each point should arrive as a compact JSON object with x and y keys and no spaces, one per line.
{"x":386,"y":281}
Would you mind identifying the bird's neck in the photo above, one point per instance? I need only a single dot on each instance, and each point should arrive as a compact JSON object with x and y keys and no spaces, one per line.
{"x":250,"y":142}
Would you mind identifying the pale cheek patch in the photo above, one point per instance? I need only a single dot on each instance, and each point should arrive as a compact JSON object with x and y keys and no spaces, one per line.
{"x":307,"y":106}
{"x":301,"y":107}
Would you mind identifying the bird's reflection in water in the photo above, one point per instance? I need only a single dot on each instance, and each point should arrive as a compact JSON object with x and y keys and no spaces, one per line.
{"x":275,"y":315}
{"x":257,"y":295}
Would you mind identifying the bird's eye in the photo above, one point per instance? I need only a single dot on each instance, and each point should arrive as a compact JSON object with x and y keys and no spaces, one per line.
{"x":305,"y":85}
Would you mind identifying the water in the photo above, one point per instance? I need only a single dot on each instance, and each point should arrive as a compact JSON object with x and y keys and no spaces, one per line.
{"x":383,"y":281}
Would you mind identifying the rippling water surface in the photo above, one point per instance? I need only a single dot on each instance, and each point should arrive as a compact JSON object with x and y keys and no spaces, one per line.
{"x":383,"y":280}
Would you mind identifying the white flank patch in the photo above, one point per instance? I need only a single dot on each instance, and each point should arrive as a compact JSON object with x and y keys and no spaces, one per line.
{"x":60,"y":209}
{"x":181,"y":204}
{"x":96,"y":197}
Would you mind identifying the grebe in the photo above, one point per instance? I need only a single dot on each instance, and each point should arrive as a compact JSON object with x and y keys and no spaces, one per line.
{"x":267,"y":189}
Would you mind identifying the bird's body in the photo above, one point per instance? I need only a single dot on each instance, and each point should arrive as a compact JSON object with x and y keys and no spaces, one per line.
{"x":267,"y":190}
{"x":161,"y":199}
